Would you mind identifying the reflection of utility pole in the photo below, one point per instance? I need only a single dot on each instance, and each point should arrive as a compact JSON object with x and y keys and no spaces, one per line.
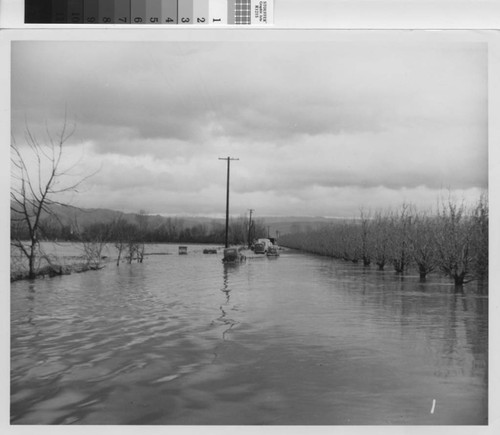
{"x":227,"y":197}
{"x":250,"y":228}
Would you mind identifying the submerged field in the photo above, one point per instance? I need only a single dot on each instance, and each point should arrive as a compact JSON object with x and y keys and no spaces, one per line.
{"x":298,"y":339}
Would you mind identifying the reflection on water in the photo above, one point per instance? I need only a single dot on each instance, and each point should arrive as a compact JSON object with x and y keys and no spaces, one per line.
{"x":297,"y":340}
{"x":226,"y":290}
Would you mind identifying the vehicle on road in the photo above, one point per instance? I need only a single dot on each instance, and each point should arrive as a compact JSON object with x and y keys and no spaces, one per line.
{"x":233,"y":255}
{"x":273,"y":251}
{"x":262,"y":246}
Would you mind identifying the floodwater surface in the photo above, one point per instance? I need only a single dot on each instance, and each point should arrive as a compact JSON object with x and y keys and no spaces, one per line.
{"x":299,"y":339}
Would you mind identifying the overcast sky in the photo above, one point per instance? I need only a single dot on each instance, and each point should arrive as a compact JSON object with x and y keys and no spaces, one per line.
{"x":320,"y":128}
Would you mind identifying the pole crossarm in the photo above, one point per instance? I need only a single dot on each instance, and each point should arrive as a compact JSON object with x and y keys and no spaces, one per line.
{"x":228,"y":158}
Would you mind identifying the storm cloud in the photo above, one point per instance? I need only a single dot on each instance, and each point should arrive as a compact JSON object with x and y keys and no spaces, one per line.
{"x":319,"y":127}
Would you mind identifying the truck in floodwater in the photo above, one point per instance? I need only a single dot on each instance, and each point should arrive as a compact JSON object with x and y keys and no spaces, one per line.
{"x":262,"y":246}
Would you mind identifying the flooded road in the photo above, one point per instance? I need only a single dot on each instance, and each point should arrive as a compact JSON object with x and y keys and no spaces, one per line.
{"x":299,"y":339}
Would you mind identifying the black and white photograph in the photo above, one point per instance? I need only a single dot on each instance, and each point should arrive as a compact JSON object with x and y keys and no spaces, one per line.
{"x":271,"y":228}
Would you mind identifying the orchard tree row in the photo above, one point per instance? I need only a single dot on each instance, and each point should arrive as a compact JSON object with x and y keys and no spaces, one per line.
{"x":452,"y":239}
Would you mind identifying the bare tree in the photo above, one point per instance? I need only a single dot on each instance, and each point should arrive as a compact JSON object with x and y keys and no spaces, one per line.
{"x":366,"y":237}
{"x":454,"y":242}
{"x":93,"y":239}
{"x":120,"y":233}
{"x":381,"y":238}
{"x":401,"y":224}
{"x":38,"y":180}
{"x":480,"y":218}
{"x":422,"y":241}
{"x":143,"y":223}
{"x":346,"y":242}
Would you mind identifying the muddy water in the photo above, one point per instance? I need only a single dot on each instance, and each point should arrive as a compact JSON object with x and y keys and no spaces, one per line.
{"x":299,"y":339}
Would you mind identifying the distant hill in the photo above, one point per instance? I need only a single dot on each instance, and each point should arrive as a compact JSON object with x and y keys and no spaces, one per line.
{"x":292,"y":224}
{"x":83,"y":217}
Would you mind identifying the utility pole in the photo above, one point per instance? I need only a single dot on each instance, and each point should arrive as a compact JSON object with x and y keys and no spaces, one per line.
{"x":228,"y":159}
{"x":250,"y":227}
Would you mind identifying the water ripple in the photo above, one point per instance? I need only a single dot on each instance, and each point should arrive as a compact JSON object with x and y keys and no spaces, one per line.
{"x":298,"y":340}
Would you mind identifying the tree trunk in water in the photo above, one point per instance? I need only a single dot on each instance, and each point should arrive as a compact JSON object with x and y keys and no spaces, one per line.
{"x":398,"y":266}
{"x":422,"y":272}
{"x":31,"y":261}
{"x":32,"y":274}
{"x":459,"y":281}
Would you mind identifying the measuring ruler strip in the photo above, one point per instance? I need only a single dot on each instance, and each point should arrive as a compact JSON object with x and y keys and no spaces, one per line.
{"x":137,"y":12}
{"x":153,"y":12}
{"x":75,"y":11}
{"x":200,"y":12}
{"x":169,"y":12}
{"x":217,"y":12}
{"x":149,"y":12}
{"x":91,"y":11}
{"x":121,"y":11}
{"x":106,"y":12}
{"x":185,"y":11}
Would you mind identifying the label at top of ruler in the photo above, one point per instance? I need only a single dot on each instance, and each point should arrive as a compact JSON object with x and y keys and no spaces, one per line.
{"x":144,"y":12}
{"x":262,"y":12}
